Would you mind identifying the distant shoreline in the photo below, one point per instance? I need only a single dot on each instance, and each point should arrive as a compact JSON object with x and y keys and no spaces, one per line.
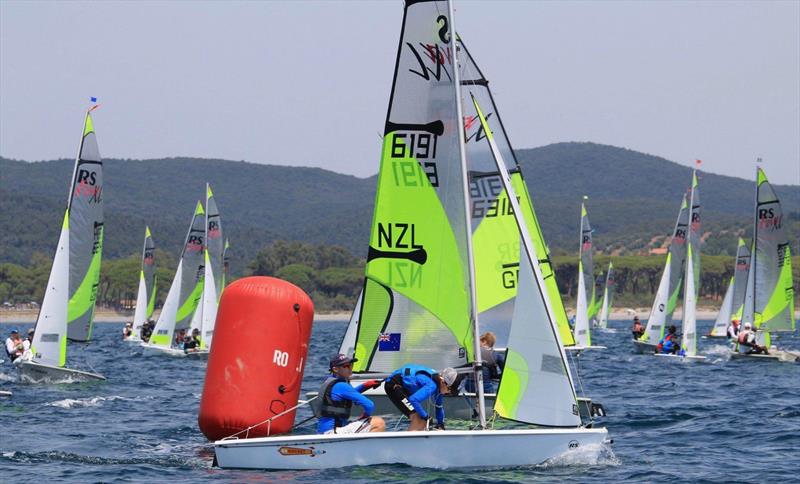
{"x":105,"y":316}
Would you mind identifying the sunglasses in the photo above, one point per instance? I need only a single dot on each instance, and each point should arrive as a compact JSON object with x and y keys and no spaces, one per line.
{"x":346,"y":365}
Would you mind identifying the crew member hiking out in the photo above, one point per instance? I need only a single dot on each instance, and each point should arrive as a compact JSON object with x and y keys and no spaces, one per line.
{"x":410,"y":386}
{"x":747,"y":341}
{"x":669,"y":344}
{"x":337,"y":397}
{"x":637,"y":330}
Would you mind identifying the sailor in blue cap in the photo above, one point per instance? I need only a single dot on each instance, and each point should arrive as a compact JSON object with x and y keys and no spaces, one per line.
{"x":337,"y":397}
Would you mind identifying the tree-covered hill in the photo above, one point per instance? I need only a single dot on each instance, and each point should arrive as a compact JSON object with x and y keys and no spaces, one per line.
{"x":633,"y":201}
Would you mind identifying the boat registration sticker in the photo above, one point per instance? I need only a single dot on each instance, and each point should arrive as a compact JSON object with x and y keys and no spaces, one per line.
{"x":300,"y":451}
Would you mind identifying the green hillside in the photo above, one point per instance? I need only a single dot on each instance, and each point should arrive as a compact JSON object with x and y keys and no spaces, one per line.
{"x":633,"y":202}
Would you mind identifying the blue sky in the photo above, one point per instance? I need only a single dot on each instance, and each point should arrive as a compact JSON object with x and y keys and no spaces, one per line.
{"x":307,"y":83}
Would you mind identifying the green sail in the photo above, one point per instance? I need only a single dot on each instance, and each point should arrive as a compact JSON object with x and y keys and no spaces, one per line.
{"x":416,"y":299}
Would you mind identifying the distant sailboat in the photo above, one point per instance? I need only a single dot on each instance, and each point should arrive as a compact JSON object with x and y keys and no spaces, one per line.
{"x":688,"y":348}
{"x":184,"y":293}
{"x":146,"y":295}
{"x":608,"y":298}
{"x":586,"y":288}
{"x":670,"y":286}
{"x":67,"y":310}
{"x":733,"y":302}
{"x":213,"y":275}
{"x":769,"y":296}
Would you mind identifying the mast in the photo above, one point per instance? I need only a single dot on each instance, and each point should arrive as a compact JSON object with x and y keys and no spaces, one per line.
{"x":473,"y":303}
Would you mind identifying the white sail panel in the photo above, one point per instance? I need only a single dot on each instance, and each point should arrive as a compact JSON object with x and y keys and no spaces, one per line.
{"x":145,"y":295}
{"x":740,"y":280}
{"x":582,"y":332}
{"x":49,"y":344}
{"x":214,"y":241}
{"x":165,"y":325}
{"x":209,"y":305}
{"x":689,"y":331}
{"x":608,"y":297}
{"x":724,"y":316}
{"x":348,"y":345}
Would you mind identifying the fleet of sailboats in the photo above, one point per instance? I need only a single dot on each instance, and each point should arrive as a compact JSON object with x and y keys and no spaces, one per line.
{"x":455,"y":250}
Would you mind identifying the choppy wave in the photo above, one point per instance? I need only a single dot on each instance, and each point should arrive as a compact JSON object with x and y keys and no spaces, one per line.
{"x":90,"y":401}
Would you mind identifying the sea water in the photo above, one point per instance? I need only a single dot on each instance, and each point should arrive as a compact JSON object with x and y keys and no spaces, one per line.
{"x":671,"y":420}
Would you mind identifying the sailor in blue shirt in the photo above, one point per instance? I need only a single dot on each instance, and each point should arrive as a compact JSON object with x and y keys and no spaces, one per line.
{"x":412,"y":385}
{"x":337,"y":396}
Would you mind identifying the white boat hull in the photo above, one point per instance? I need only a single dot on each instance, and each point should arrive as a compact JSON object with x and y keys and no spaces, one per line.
{"x":774,"y":355}
{"x":642,"y":347}
{"x":131,"y":339}
{"x":679,"y":357}
{"x":430,"y":449}
{"x":4,"y":393}
{"x":578,"y":348}
{"x":33,"y":372}
{"x":148,"y":349}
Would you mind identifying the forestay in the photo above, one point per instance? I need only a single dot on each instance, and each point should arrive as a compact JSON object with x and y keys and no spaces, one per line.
{"x":416,"y":297}
{"x":495,"y":235}
{"x":185,"y":291}
{"x":536,"y":386}
{"x":146,"y":295}
{"x":670,"y":285}
{"x":85,"y":210}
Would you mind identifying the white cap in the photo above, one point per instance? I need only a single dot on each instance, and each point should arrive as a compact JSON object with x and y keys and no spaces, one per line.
{"x":748,"y":326}
{"x":449,"y":376}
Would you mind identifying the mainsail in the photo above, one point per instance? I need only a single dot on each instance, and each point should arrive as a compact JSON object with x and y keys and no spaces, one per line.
{"x":769,"y":300}
{"x":608,"y":297}
{"x":720,"y":327}
{"x":495,"y":233}
{"x":187,"y":285}
{"x":213,"y":267}
{"x":536,"y":386}
{"x":670,"y":286}
{"x":416,"y":302}
{"x":690,"y":293}
{"x":81,"y":238}
{"x":146,"y":295}
{"x":585,"y":299}
{"x":85,"y":212}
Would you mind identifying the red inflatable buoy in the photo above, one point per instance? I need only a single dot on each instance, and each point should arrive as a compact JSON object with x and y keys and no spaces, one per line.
{"x":257,"y":359}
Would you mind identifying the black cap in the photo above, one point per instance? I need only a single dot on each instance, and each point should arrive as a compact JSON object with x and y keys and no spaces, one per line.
{"x":341,"y":360}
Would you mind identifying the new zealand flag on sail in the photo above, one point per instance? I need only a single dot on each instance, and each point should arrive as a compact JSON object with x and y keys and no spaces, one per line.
{"x":389,"y":342}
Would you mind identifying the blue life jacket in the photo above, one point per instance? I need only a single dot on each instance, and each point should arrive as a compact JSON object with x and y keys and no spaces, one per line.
{"x":409,"y":373}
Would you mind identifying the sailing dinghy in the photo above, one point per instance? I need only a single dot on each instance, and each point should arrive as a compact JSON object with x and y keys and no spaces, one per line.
{"x":206,"y":314}
{"x":184,"y":292}
{"x":769,"y":295}
{"x":494,"y":232}
{"x":608,"y":299}
{"x":733,"y":302}
{"x":421,"y":225}
{"x":688,"y":349}
{"x":669,"y":287}
{"x":146,"y":295}
{"x":67,"y":310}
{"x":586,"y":287}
